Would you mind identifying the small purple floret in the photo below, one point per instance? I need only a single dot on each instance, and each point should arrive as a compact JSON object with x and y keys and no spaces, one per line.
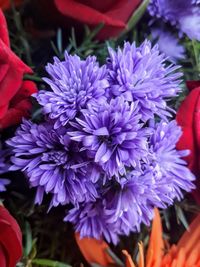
{"x":141,"y":74}
{"x":74,"y":83}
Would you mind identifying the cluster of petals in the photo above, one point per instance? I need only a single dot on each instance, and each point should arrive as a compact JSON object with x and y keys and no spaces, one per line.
{"x":106,"y":145}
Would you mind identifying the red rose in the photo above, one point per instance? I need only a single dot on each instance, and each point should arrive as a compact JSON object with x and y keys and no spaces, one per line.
{"x":6,"y":4}
{"x":188,"y":117}
{"x":14,"y":92}
{"x":10,"y":240}
{"x":113,"y":13}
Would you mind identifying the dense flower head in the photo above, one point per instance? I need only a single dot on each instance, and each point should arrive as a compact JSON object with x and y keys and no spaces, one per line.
{"x":106,"y":146}
{"x":74,"y":83}
{"x":112,"y":134}
{"x":166,"y":162}
{"x":141,"y":74}
{"x":52,"y":163}
{"x":184,"y":14}
{"x":128,"y":203}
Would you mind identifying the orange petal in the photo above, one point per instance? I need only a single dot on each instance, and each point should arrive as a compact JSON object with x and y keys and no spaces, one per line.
{"x":194,"y":257}
{"x":191,"y":239}
{"x":141,"y":258}
{"x":94,"y":250}
{"x":156,"y":245}
{"x":181,"y":258}
{"x":129,"y":262}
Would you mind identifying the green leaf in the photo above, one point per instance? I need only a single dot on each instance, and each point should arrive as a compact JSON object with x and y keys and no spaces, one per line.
{"x":32,"y":78}
{"x":28,"y":239}
{"x":93,"y":33}
{"x":114,"y":257}
{"x":181,"y":216}
{"x":59,"y":41}
{"x":136,"y":16}
{"x":49,"y":263}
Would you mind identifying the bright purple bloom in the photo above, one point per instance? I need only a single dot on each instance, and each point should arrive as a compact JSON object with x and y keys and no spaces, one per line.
{"x":185,"y":14}
{"x":90,"y":221}
{"x":74,"y":83}
{"x":98,"y":149}
{"x":141,"y":74}
{"x":112,"y":134}
{"x":52,"y":163}
{"x":190,"y":25}
{"x":156,"y":183}
{"x":166,"y":162}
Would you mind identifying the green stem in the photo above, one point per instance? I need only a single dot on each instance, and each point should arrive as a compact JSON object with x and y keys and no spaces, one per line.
{"x":32,"y":78}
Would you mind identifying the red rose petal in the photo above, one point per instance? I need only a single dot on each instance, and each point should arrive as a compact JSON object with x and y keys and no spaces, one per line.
{"x":2,"y":256}
{"x":114,"y":14}
{"x":188,"y":117}
{"x":192,"y":84}
{"x":86,"y":14}
{"x":19,"y":106}
{"x":10,"y":238}
{"x":14,"y":92}
{"x":3,"y":28}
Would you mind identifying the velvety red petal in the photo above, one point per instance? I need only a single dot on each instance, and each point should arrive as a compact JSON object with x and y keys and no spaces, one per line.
{"x":85,"y":13}
{"x":2,"y":256}
{"x":114,"y":14}
{"x":101,"y":6}
{"x":5,"y":4}
{"x":188,"y":117}
{"x":185,"y":118}
{"x":3,"y":28}
{"x":27,"y":89}
{"x":14,"y":115}
{"x":3,"y":110}
{"x":12,"y":88}
{"x":121,"y":11}
{"x":12,"y":80}
{"x":19,"y":107}
{"x":192,"y":84}
{"x":10,"y":238}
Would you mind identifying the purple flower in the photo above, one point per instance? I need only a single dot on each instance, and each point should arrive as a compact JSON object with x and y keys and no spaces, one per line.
{"x":169,"y":10}
{"x":140,"y":74}
{"x":169,"y":45}
{"x":4,"y":166}
{"x":89,"y":220}
{"x":99,"y":148}
{"x":124,"y":205}
{"x":52,"y":163}
{"x":112,"y":134}
{"x":166,"y":163}
{"x":74,"y":83}
{"x":185,"y":14}
{"x":190,"y":25}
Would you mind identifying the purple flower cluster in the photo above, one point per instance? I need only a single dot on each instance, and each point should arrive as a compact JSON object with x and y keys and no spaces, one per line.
{"x":185,"y":14}
{"x":99,"y":147}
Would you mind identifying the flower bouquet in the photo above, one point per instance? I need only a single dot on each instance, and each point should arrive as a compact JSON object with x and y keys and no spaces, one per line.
{"x":99,"y":133}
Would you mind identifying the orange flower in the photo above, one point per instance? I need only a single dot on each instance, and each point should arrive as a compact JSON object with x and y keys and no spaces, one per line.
{"x":185,"y":254}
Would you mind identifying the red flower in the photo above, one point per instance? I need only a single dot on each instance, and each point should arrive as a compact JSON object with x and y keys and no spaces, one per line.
{"x":6,"y":4}
{"x":113,"y":13}
{"x":188,"y":117}
{"x":14,"y":92}
{"x":10,"y":240}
